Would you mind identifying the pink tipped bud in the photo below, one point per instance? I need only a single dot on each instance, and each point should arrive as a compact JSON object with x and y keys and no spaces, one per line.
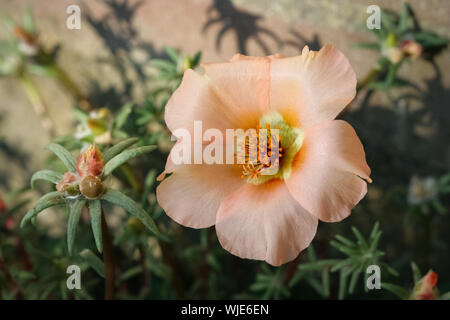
{"x":412,"y":48}
{"x":90,"y":162}
{"x":425,"y":288}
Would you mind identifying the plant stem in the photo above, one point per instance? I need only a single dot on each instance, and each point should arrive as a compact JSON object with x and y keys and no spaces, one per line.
{"x":71,"y":86}
{"x":370,"y":76}
{"x":39,"y":106}
{"x":108,"y":259}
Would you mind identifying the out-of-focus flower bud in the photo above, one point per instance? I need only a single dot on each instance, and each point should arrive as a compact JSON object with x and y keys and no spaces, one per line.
{"x":9,"y":223}
{"x":391,"y":40}
{"x":394,"y":54}
{"x":421,"y":190}
{"x":90,"y":162}
{"x":68,"y":184}
{"x":2,"y":205}
{"x":103,"y":138}
{"x":412,"y":48}
{"x":91,"y":187}
{"x":27,"y":41}
{"x":184,"y":64}
{"x":425,"y":288}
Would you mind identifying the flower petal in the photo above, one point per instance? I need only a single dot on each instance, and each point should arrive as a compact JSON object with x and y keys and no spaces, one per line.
{"x":194,"y":100}
{"x":313,"y":87}
{"x":243,"y":87}
{"x":192,"y":195}
{"x":264,"y":222}
{"x":326,"y":175}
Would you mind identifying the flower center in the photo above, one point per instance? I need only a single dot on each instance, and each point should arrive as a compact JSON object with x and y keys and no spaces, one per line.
{"x":267,"y":152}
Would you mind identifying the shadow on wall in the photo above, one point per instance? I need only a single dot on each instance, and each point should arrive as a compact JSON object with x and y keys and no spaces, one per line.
{"x":245,"y":25}
{"x":120,"y":37}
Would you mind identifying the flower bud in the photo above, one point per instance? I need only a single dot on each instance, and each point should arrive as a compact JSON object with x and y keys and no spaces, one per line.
{"x":184,"y":64}
{"x":68,"y":184}
{"x":27,"y":41}
{"x":90,"y":162}
{"x":391,"y":40}
{"x":394,"y":54}
{"x":425,"y":288}
{"x":91,"y":187}
{"x":412,"y":48}
{"x":422,"y":189}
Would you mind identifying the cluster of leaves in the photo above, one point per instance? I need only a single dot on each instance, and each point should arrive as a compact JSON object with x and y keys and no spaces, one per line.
{"x":396,"y":31}
{"x":360,"y":254}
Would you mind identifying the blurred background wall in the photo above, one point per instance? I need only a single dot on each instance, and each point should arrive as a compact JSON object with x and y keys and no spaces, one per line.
{"x":218,"y":28}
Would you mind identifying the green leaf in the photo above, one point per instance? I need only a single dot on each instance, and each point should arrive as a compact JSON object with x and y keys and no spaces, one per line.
{"x":28,"y":23}
{"x":397,"y":290}
{"x":93,"y":261}
{"x":164,"y":65}
{"x":123,"y":114}
{"x":130,"y":273}
{"x":404,"y":22}
{"x":343,"y":276}
{"x":128,"y":204}
{"x":326,"y":283}
{"x":118,"y":148}
{"x":345,"y":241}
{"x":340,"y":265}
{"x":316,"y":265}
{"x":173,"y":54}
{"x":47,"y":175}
{"x":361,"y":241}
{"x":95,"y":211}
{"x":149,"y":182}
{"x":375,"y":229}
{"x":197,"y":58}
{"x":445,"y":296}
{"x":417,"y":275}
{"x":49,"y":200}
{"x":75,"y":210}
{"x":123,"y":157}
{"x":63,"y":154}
{"x":354,"y":278}
{"x":369,"y":45}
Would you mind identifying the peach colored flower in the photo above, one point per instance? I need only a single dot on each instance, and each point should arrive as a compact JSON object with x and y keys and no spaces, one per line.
{"x":321,"y":170}
{"x":90,"y":162}
{"x":425,"y":288}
